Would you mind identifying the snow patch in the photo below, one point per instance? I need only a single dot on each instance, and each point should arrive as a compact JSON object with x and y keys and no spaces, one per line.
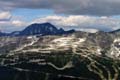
{"x":117,"y":40}
{"x":99,"y":51}
{"x":68,"y":41}
{"x":115,"y":51}
{"x":33,"y":39}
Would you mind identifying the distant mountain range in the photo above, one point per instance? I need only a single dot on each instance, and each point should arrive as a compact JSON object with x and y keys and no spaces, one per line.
{"x":3,"y":34}
{"x":117,"y":32}
{"x":44,"y":29}
{"x":39,"y":29}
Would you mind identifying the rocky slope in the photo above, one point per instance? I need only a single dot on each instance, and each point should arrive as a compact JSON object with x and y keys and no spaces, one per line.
{"x":95,"y":43}
{"x":75,"y":56}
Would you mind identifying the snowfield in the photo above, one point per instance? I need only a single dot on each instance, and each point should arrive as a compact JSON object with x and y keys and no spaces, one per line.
{"x":68,"y":41}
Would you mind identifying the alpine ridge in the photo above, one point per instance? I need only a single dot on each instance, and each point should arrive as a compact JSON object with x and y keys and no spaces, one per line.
{"x":39,"y":29}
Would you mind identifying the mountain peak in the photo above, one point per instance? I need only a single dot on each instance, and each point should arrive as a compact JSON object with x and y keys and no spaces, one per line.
{"x":43,"y":29}
{"x":47,"y":23}
{"x":39,"y":29}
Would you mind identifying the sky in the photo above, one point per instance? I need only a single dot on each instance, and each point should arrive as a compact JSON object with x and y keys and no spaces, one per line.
{"x":86,"y":15}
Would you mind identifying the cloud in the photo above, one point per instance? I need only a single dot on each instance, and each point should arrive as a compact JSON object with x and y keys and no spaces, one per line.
{"x":5,"y":16}
{"x":78,"y":22}
{"x":89,"y":30}
{"x":14,"y":25}
{"x":18,"y":23}
{"x":81,"y":22}
{"x":9,"y":23}
{"x":72,"y":7}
